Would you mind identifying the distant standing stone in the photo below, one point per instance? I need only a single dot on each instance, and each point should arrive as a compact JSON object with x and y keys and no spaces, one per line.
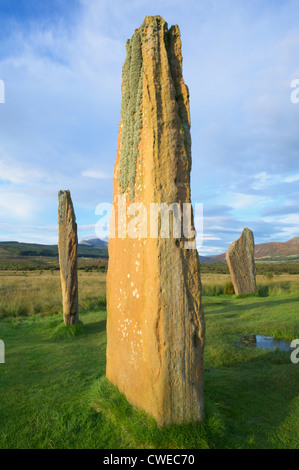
{"x":240,"y":260}
{"x":67,"y":249}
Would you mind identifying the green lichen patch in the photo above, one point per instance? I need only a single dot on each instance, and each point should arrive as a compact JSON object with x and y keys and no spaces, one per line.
{"x":64,"y":201}
{"x":131,"y":114}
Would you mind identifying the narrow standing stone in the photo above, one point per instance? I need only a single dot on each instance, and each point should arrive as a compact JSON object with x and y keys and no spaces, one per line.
{"x":240,"y":260}
{"x":155,"y":323}
{"x":67,"y":249}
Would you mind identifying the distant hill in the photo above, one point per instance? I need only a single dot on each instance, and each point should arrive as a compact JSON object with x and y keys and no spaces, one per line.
{"x":15,"y":250}
{"x":205,"y":259}
{"x":97,"y":248}
{"x":272,"y":251}
{"x":94,"y":248}
{"x":94,"y":242}
{"x":98,"y":242}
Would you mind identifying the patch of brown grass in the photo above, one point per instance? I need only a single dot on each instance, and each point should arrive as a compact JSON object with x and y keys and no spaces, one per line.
{"x":40,"y":292}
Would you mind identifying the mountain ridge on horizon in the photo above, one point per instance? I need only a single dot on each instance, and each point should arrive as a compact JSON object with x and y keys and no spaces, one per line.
{"x":270,"y":250}
{"x":94,"y":242}
{"x":90,"y":247}
{"x":15,"y":249}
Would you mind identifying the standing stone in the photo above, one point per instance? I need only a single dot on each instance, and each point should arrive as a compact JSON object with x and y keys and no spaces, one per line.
{"x":240,"y":260}
{"x":67,"y":249}
{"x":155,"y":324}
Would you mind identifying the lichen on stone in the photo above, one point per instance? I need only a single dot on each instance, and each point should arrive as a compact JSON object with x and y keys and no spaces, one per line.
{"x":131,"y":114}
{"x":64,"y":201}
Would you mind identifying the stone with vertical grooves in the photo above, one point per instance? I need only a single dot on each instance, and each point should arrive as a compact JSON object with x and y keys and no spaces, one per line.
{"x":67,"y":249}
{"x":240,"y":260}
{"x":155,"y":323}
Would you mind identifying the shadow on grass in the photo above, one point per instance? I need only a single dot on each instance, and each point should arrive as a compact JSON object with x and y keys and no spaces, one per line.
{"x":95,"y":327}
{"x":231,"y":306}
{"x":257,"y":401}
{"x":62,"y":331}
{"x":65,"y":332}
{"x":245,"y":406}
{"x":139,"y":430}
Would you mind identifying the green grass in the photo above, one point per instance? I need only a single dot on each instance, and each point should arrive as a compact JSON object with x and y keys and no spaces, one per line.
{"x":40,"y":293}
{"x":54,"y":393}
{"x":263,"y":289}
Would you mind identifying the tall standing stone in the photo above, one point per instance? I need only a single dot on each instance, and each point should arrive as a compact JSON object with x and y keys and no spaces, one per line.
{"x":155,"y":324}
{"x":67,"y":249}
{"x":240,"y":260}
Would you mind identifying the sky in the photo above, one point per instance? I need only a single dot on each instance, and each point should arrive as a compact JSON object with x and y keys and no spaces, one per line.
{"x":61,"y":64}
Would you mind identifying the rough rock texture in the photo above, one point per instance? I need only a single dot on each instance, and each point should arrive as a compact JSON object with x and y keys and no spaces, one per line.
{"x":67,"y":248}
{"x":155,"y":323}
{"x":240,"y":260}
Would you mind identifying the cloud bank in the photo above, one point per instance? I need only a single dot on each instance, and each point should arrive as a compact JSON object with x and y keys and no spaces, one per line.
{"x":62,"y":72}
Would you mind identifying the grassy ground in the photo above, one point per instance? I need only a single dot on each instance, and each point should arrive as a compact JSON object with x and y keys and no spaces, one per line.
{"x":25,"y":294}
{"x":270,"y":284}
{"x":54,"y":393}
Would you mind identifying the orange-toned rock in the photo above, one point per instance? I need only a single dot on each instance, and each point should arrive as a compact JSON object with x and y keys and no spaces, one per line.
{"x":155,"y":324}
{"x":240,"y":260}
{"x":67,"y":249}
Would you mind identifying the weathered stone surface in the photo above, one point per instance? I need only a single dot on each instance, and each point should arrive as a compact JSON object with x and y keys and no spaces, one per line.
{"x":155,"y":325}
{"x":240,"y":260}
{"x":67,"y":248}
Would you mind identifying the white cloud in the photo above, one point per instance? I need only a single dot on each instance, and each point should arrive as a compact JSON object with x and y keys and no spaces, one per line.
{"x":100,"y":175}
{"x":291,"y":179}
{"x":211,"y":237}
{"x":263,"y":180}
{"x":287,"y":233}
{"x":220,"y":228}
{"x":290,"y":219}
{"x":210,"y":250}
{"x":84,"y":228}
{"x":63,"y":100}
{"x":14,"y":172}
{"x":17,"y":206}
{"x":242,"y":200}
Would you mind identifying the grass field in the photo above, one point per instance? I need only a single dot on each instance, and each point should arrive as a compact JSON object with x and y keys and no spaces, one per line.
{"x":39,"y":292}
{"x":54,"y":393}
{"x":24,"y":294}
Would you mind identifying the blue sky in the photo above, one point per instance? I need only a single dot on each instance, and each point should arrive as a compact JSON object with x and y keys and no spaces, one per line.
{"x":61,"y":63}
